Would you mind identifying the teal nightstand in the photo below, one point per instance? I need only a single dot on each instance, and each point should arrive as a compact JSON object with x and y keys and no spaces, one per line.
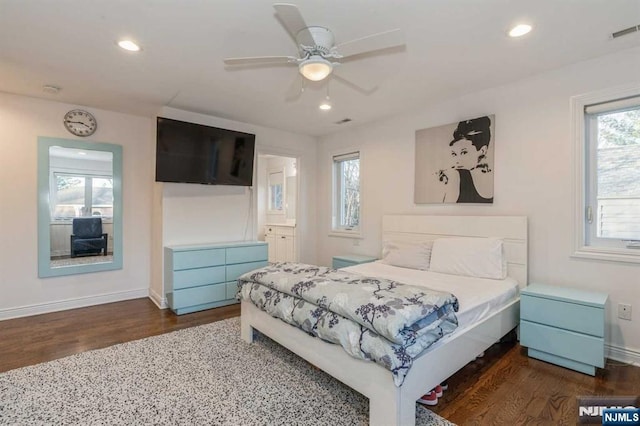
{"x":563,"y":326}
{"x":343,"y":261}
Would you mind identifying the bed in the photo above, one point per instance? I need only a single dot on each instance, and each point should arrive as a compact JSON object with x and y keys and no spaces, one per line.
{"x":395,"y":405}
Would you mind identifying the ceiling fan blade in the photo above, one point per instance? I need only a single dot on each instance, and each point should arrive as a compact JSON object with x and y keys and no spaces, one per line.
{"x":260,"y":60}
{"x":354,"y":86}
{"x":295,"y":89}
{"x":370,"y":43}
{"x":290,"y":17}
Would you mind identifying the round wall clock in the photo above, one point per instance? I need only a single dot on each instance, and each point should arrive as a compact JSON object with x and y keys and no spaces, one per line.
{"x":80,"y":122}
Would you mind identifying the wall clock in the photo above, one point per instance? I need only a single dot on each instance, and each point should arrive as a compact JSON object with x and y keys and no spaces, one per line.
{"x":80,"y":122}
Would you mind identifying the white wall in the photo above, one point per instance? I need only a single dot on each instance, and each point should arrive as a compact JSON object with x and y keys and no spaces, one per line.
{"x":262,"y":194}
{"x":533,"y":177}
{"x":22,"y":120}
{"x":192,"y":213}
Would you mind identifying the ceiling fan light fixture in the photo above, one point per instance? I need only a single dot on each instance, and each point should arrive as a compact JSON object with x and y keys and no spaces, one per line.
{"x":315,"y":68}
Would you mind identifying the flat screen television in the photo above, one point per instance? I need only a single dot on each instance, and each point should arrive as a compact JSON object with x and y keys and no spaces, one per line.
{"x":193,"y":153}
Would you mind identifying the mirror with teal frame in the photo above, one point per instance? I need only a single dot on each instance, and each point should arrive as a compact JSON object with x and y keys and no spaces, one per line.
{"x":79,"y":195}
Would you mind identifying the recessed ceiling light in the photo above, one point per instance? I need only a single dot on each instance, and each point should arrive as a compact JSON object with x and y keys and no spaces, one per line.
{"x":129,"y":45}
{"x":325,"y":105}
{"x":82,"y":153}
{"x":519,"y":30}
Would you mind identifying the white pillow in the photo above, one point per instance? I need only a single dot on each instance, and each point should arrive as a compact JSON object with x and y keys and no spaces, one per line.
{"x":407,"y":255}
{"x":473,"y":257}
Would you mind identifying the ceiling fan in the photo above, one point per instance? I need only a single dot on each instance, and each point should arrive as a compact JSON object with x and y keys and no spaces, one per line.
{"x":318,"y":53}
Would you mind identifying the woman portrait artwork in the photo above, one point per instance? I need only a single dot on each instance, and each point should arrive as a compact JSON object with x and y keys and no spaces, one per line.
{"x":454,"y":163}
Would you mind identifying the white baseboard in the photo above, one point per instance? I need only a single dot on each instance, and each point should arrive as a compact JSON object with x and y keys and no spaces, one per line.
{"x":63,"y":305}
{"x":626,"y":355}
{"x":161,"y":302}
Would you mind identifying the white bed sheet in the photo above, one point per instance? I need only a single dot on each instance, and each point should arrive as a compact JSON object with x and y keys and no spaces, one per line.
{"x":478,"y":297}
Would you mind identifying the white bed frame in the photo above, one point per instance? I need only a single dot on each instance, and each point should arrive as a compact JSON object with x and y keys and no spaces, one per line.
{"x":389,"y":404}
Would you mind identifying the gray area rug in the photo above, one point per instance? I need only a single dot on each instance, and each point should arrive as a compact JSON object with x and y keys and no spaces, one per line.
{"x":204,"y":375}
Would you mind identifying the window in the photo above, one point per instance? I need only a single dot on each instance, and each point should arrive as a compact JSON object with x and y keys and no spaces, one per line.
{"x":610,"y":179}
{"x":346,"y":192}
{"x":78,"y":195}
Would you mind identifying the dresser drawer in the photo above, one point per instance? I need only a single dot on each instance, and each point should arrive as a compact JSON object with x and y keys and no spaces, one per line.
{"x":563,"y":343}
{"x":197,"y":258}
{"x":232,"y":289}
{"x":247,"y":254}
{"x":204,"y":276}
{"x":570,"y":316}
{"x":197,"y":277}
{"x":199,"y":295}
{"x":234,"y":271}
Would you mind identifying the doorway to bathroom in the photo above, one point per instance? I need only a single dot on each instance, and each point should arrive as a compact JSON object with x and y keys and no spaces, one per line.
{"x":277,"y":193}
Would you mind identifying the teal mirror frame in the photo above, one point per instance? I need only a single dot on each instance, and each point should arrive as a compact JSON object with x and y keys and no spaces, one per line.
{"x":44,"y":213}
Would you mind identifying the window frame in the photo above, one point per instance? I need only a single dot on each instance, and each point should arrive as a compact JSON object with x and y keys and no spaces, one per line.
{"x":88,"y":191}
{"x":582,"y":166}
{"x":335,"y":230}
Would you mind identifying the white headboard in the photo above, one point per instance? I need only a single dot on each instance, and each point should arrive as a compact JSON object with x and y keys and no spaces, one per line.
{"x":512,"y":229}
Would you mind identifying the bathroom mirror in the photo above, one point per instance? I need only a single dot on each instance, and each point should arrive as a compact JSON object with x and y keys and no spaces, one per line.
{"x":276,"y":191}
{"x":79,"y":207}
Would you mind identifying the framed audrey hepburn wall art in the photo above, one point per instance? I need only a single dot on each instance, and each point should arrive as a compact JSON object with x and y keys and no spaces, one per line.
{"x":454,"y":162}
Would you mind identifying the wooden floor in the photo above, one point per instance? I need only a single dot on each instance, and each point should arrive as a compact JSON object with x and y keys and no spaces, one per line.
{"x":504,"y":387}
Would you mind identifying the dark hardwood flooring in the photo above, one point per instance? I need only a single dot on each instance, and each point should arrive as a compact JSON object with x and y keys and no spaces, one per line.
{"x":32,"y":340}
{"x":504,"y":387}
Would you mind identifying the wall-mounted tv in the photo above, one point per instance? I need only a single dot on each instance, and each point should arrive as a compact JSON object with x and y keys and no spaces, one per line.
{"x":193,"y":153}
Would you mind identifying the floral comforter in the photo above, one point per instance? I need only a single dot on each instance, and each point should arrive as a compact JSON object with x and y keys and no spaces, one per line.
{"x":372,"y":318}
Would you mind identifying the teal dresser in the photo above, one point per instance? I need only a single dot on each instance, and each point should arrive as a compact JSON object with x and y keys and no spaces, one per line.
{"x":343,"y":261}
{"x":564,"y":326}
{"x":204,"y":276}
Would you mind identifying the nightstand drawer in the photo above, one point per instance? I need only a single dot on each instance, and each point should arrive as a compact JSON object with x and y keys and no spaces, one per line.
{"x":563,"y":343}
{"x":570,"y":316}
{"x":337,"y":264}
{"x":345,"y":260}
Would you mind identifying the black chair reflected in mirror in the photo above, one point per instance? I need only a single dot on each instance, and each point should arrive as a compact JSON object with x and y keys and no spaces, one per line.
{"x":87,"y":237}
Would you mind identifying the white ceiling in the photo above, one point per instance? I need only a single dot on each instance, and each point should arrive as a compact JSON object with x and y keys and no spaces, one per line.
{"x":452,"y":47}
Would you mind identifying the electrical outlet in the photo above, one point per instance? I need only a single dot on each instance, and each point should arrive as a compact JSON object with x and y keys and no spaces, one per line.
{"x":356,"y":242}
{"x":624,"y":311}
